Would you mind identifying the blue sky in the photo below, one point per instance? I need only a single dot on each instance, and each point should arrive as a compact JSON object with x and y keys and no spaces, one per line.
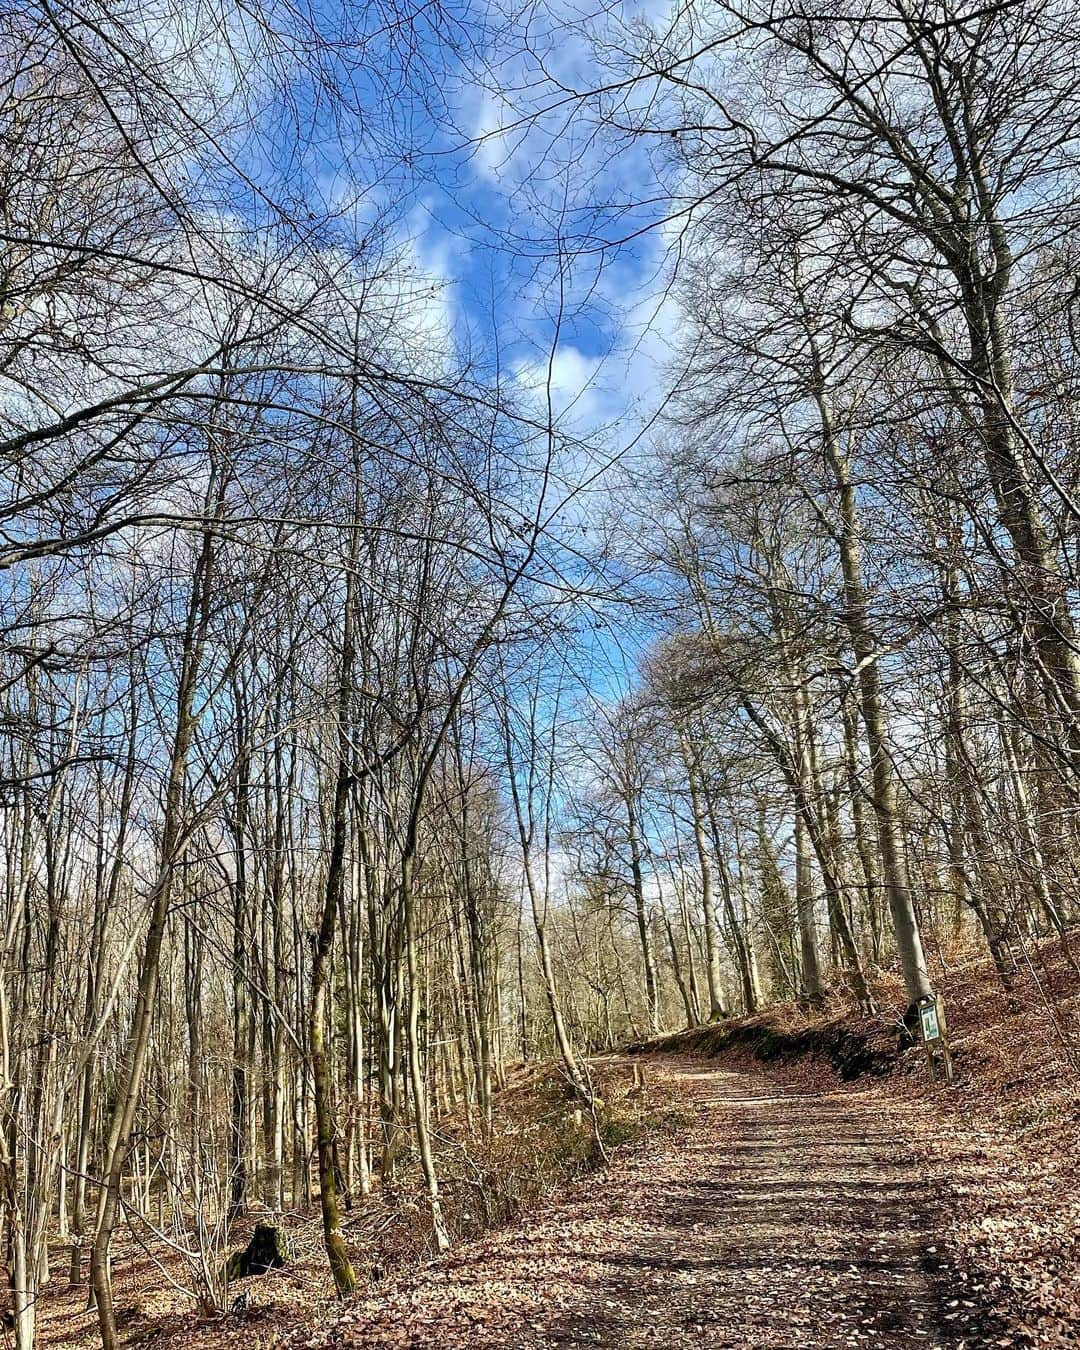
{"x":500,"y":202}
{"x":484,"y":183}
{"x":451,"y":134}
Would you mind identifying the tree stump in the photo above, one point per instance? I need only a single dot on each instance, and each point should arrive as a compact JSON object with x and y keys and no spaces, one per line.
{"x":267,"y":1250}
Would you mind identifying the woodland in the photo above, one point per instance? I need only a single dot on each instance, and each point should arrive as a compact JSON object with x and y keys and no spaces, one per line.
{"x":525,"y":529}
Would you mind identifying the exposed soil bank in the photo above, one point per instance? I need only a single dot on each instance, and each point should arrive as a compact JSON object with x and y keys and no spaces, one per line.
{"x":851,"y":1050}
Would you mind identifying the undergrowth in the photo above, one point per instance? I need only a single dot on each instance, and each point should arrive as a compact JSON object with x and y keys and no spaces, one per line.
{"x":539,"y":1141}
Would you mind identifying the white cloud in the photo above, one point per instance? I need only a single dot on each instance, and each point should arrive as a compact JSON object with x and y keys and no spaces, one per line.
{"x":571,"y":379}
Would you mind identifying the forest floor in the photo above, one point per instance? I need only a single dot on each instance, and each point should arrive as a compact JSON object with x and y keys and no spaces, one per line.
{"x":772,"y":1205}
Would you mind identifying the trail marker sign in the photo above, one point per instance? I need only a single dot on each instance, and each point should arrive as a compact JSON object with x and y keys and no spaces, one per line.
{"x":934,"y":1036}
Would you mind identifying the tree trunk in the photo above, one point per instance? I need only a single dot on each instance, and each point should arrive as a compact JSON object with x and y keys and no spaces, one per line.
{"x":866,"y":650}
{"x":809,"y":963}
{"x":717,"y":1011}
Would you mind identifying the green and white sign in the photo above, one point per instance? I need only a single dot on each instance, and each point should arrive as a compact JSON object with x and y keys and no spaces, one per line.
{"x":930,"y":1029}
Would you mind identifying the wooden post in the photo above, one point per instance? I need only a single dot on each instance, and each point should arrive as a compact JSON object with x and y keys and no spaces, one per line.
{"x":935,"y":1038}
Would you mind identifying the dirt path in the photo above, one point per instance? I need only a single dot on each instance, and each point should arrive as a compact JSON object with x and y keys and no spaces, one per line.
{"x":776,"y":1220}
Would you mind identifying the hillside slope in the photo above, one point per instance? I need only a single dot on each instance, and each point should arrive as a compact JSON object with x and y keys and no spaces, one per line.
{"x":1001,"y":1142}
